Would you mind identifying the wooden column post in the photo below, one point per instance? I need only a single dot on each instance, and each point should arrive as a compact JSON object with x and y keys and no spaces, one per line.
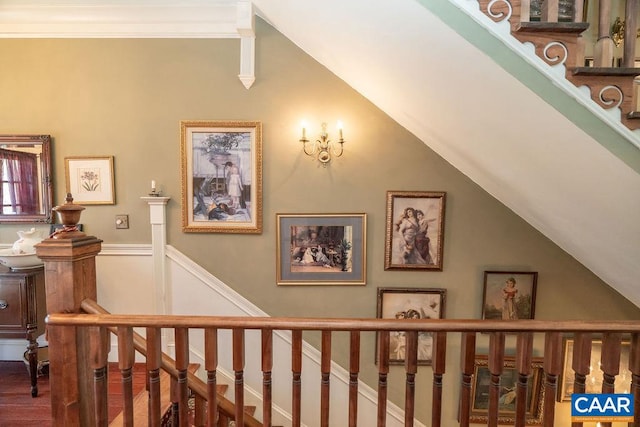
{"x":70,"y":277}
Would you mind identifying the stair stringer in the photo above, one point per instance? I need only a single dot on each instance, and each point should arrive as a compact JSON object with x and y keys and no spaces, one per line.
{"x":500,"y":28}
{"x":192,"y":290}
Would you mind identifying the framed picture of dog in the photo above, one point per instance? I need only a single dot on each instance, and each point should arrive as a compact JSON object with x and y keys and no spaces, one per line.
{"x":221,"y":165}
{"x":410,"y":303}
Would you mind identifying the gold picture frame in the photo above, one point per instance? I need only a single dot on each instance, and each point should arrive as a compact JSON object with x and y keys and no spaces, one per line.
{"x":593,"y":381}
{"x":321,"y":249}
{"x":221,"y":168}
{"x":414,"y":230}
{"x":410,"y":303}
{"x":90,"y":179}
{"x":508,"y":383}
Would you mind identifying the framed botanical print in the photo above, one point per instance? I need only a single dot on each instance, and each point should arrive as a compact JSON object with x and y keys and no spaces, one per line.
{"x":321,"y":249}
{"x":415,"y":230}
{"x":90,"y":180}
{"x":410,"y":303}
{"x":221,"y":164}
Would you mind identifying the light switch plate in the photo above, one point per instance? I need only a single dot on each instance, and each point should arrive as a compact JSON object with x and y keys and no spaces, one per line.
{"x":122,"y":221}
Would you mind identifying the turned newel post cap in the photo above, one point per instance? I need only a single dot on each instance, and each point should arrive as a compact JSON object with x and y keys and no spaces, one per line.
{"x":69,"y":215}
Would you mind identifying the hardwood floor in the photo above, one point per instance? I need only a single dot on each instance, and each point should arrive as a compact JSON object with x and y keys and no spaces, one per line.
{"x":17,"y":407}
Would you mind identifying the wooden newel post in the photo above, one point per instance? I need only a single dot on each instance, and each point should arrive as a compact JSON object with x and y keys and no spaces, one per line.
{"x":70,"y":277}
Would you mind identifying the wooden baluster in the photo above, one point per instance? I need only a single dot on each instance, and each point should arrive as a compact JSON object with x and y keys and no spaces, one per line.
{"x":354,"y":369}
{"x":581,"y":363}
{"x":174,"y":400}
{"x":325,"y":372}
{"x":610,"y":364}
{"x":238,"y":368}
{"x":552,"y":368}
{"x":578,"y":11}
{"x":154,"y":361}
{"x":630,"y":31}
{"x":199,"y":411}
{"x":211,"y":366}
{"x":467,"y":366}
{"x":496,"y":366}
{"x":524,"y":353}
{"x":98,"y":354}
{"x":525,"y":11}
{"x":411,"y":368}
{"x":603,"y":54}
{"x":182,"y":365}
{"x":383,"y":371}
{"x":126,"y":359}
{"x":634,"y":367}
{"x":296,"y":368}
{"x":439,"y":356}
{"x":267,"y":366}
{"x":549,"y":11}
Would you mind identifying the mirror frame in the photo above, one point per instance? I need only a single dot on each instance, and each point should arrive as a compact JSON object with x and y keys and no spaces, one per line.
{"x":46,"y":186}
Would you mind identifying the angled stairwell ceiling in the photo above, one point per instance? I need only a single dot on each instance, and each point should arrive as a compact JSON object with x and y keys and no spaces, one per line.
{"x":541,"y":153}
{"x":482,"y":120}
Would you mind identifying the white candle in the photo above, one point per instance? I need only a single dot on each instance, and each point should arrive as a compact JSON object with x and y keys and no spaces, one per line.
{"x":153,"y":185}
{"x":340,"y":129}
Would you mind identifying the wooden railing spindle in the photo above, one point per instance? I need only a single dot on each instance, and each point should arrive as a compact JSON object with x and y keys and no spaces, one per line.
{"x":524,"y":354}
{"x":634,"y":367}
{"x":354,"y":369}
{"x":411,"y":368}
{"x":98,"y":354}
{"x":383,"y":370}
{"x":552,"y":368}
{"x":549,"y":11}
{"x":154,"y":361}
{"x":267,"y":366}
{"x":496,"y":365}
{"x":439,"y":356}
{"x":296,"y":369}
{"x":325,"y":383}
{"x":182,"y":364}
{"x":238,"y":368}
{"x":211,"y":366}
{"x":610,"y":364}
{"x":467,"y":365}
{"x":126,"y":358}
{"x":580,"y":363}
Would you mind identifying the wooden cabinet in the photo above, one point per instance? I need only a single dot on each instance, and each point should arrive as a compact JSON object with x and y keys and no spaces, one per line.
{"x":22,"y":312}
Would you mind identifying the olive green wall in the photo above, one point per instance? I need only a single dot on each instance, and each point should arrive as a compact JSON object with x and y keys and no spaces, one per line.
{"x":126,"y":97}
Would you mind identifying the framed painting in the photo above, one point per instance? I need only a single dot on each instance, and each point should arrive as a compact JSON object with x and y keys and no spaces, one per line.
{"x":221,"y":164}
{"x":321,"y":249}
{"x":415,"y":230}
{"x":509,"y":295}
{"x":90,"y":180}
{"x":410,"y":303}
{"x":507,"y":401}
{"x":593,"y":380}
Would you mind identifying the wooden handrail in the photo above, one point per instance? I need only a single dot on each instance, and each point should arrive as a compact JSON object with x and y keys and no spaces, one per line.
{"x":338,"y":324}
{"x":524,"y":330}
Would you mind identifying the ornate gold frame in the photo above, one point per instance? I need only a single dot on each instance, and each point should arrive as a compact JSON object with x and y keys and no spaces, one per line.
{"x":209,"y":150}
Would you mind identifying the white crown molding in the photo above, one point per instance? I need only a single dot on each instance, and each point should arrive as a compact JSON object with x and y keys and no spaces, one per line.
{"x":136,"y":19}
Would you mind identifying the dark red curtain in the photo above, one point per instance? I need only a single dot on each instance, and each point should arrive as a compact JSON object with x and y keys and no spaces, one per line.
{"x":19,"y":182}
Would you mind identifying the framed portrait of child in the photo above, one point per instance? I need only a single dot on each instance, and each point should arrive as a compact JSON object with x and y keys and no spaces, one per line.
{"x":509,"y":295}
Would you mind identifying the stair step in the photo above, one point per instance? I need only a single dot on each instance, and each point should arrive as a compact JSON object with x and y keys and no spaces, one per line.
{"x":141,"y":401}
{"x":222,"y":388}
{"x":554,"y":27}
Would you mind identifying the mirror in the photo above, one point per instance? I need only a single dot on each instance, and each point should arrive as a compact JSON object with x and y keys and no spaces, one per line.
{"x":26,"y":192}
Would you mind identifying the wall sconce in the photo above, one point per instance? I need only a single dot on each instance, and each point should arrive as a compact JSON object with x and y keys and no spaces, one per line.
{"x":322,"y":148}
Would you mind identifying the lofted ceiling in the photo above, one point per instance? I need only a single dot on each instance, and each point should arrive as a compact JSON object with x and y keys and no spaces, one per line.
{"x":522,"y":148}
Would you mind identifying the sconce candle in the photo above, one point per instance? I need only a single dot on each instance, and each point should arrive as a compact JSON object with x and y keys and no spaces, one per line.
{"x":153,"y":185}
{"x":323,"y":148}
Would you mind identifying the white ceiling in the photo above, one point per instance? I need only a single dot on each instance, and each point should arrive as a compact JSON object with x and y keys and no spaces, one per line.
{"x":414,"y":67}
